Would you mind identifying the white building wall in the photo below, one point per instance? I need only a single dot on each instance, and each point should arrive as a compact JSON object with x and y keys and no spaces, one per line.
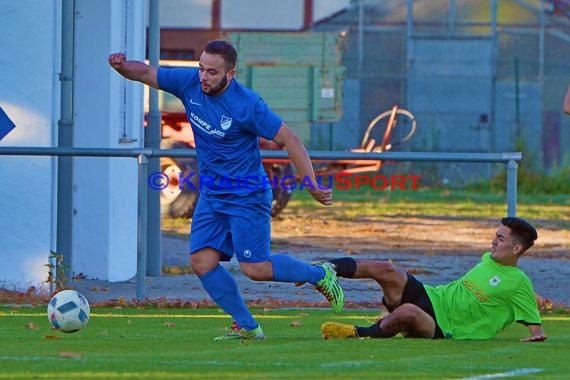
{"x":106,"y":108}
{"x":27,"y":76}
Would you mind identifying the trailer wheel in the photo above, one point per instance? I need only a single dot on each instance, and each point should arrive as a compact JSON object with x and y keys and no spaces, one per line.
{"x":178,"y":201}
{"x":281,"y":194}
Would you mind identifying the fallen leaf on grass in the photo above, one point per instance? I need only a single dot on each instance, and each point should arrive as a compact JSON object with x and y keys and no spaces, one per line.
{"x":31,"y":326}
{"x":169,"y":324}
{"x":295,"y":324}
{"x":99,"y":289}
{"x":52,"y":337}
{"x":70,"y":355}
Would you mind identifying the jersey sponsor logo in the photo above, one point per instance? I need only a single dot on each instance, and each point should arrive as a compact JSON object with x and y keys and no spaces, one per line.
{"x":203,"y":125}
{"x":247,"y":253}
{"x":495,"y":281}
{"x":474,"y":289}
{"x":226,"y":122}
{"x":194,"y":102}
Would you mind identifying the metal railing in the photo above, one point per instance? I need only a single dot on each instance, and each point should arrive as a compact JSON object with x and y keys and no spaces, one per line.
{"x":142,"y":155}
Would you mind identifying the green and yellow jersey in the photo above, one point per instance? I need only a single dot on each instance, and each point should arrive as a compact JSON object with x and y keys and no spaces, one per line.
{"x":484,"y":301}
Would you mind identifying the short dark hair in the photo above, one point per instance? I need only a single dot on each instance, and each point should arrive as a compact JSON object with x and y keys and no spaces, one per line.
{"x":521,"y":230}
{"x":223,"y":49}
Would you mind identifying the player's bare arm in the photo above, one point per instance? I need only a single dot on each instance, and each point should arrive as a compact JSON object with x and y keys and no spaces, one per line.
{"x":134,"y":70}
{"x":300,"y":158}
{"x":536,"y":334}
{"x":567,"y":102}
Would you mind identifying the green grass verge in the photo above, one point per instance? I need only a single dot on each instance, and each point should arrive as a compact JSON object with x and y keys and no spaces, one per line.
{"x":553,"y":210}
{"x":134,"y":343}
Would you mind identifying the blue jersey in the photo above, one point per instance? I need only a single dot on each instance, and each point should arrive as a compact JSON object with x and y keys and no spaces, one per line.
{"x":226,"y":129}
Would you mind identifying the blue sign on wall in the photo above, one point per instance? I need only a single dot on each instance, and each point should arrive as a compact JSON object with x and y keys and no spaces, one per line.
{"x":6,"y":125}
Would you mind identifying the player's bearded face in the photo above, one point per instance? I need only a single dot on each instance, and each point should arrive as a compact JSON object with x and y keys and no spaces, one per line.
{"x":214,"y":75}
{"x":214,"y":89}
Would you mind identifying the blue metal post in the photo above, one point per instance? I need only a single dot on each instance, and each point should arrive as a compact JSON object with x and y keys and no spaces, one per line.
{"x":152,"y":140}
{"x":65,"y":124}
{"x":142,"y":225}
{"x":512,"y":168}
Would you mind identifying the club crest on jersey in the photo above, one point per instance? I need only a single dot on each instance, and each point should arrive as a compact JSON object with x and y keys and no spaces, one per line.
{"x":226,"y":122}
{"x":495,"y":281}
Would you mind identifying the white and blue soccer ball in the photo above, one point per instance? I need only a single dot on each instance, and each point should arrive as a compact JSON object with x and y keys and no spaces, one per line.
{"x":68,"y":311}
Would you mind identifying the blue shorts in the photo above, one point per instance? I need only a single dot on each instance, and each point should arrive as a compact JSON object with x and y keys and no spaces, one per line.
{"x":240,"y":226}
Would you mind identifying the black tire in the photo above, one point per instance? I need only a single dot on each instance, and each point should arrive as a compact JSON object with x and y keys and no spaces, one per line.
{"x":176,"y":202}
{"x":281,"y":194}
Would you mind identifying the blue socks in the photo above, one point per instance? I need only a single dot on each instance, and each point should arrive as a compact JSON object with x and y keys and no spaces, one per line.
{"x":223,"y":289}
{"x":289,"y":269}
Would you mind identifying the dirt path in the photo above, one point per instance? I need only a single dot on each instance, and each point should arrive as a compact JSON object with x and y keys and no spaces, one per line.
{"x":300,"y":230}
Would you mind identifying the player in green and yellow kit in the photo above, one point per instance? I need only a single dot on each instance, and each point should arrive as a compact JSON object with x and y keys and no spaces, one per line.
{"x":487,"y":299}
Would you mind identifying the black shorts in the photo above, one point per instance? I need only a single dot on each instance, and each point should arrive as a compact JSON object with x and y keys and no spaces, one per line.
{"x":415,"y":293}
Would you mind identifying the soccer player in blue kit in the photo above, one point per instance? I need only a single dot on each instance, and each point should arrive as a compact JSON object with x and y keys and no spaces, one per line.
{"x":233,"y":211}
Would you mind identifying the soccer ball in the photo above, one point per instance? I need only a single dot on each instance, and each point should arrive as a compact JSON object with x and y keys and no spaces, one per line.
{"x":68,"y":311}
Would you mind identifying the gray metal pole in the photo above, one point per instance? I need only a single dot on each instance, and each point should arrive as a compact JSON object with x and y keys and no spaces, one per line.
{"x":409,"y":31}
{"x":493,"y":18}
{"x":142,"y":225}
{"x":452,"y":17}
{"x":315,"y":155}
{"x":409,"y":49}
{"x":512,"y":167}
{"x":360,"y":37}
{"x":541,"y":42}
{"x":494,"y":55}
{"x":152,"y":140}
{"x":65,"y":139}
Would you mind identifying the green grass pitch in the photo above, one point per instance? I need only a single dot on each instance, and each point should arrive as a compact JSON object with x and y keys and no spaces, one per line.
{"x":131,"y":343}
